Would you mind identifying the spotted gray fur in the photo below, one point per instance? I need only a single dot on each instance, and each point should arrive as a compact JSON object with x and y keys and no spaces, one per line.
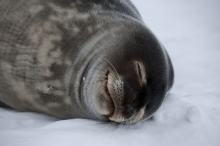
{"x":46,"y":47}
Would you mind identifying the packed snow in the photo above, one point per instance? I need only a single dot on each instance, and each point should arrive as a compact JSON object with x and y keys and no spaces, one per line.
{"x":189,"y":116}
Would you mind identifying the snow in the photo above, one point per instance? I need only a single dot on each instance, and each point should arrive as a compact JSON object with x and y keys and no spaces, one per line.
{"x":189,"y":116}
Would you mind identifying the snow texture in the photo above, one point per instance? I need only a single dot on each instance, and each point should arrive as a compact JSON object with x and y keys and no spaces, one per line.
{"x":189,"y":116}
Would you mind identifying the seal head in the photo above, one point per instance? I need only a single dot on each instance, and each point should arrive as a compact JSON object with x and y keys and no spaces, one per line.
{"x":132,"y":79}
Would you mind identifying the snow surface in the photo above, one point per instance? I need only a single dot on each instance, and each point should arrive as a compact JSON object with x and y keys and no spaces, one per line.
{"x":190,"y":115}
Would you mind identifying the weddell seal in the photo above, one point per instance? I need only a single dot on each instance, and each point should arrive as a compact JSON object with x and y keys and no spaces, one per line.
{"x":92,"y":59}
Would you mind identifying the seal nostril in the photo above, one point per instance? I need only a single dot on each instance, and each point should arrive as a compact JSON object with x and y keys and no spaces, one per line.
{"x":139,"y":71}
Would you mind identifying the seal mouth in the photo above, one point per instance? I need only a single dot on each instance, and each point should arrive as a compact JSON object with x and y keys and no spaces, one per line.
{"x":111,"y":105}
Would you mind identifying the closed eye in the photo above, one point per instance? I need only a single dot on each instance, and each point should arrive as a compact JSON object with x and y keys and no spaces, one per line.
{"x":139,"y":70}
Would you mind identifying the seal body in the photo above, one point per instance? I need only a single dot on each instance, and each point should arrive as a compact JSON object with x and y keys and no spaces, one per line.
{"x":81,"y":59}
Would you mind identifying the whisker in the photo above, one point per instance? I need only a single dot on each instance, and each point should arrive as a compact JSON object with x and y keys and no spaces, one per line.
{"x":110,"y":64}
{"x":111,"y":77}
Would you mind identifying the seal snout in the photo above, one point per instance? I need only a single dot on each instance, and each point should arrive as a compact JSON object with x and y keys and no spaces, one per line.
{"x":123,"y":111}
{"x":127,"y":93}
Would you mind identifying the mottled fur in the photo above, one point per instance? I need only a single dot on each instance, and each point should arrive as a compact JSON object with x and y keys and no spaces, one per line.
{"x":47,"y":48}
